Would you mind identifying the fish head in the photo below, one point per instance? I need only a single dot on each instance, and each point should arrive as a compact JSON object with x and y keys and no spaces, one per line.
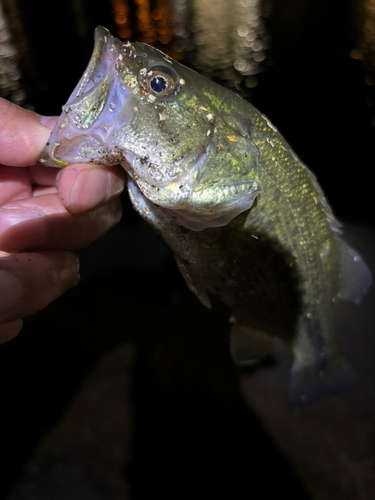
{"x":166,"y":125}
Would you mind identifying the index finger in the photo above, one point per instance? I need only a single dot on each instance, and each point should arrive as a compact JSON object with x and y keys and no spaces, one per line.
{"x":22,"y":135}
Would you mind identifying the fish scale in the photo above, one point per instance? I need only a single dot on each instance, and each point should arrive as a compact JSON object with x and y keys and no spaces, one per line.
{"x":308,"y":232}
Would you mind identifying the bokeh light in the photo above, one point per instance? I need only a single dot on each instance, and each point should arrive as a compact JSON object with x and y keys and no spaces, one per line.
{"x":10,"y":74}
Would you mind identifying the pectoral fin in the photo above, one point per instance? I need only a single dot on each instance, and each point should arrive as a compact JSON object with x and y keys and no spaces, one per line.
{"x":193,"y":282}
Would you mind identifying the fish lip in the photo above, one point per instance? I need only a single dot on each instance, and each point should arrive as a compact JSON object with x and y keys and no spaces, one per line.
{"x":102,"y":37}
{"x":102,"y":71}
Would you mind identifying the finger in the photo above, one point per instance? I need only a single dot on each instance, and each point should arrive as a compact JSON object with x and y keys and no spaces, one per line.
{"x":22,"y":135}
{"x":30,"y":281}
{"x":10,"y":330}
{"x":48,"y":121}
{"x":85,"y":186}
{"x":43,"y":176}
{"x":43,"y":223}
{"x":15,"y":183}
{"x":41,"y":191}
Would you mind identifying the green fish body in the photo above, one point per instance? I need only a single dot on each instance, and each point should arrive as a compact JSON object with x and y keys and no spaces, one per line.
{"x":246,"y":220}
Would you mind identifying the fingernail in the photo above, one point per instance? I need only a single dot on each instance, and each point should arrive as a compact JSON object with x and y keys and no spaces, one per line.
{"x":10,"y":293}
{"x":91,"y":188}
{"x":47,"y":121}
{"x":117,"y":187}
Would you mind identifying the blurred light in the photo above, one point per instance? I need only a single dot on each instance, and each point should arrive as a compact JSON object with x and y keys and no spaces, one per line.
{"x":257,"y":45}
{"x":18,"y":96}
{"x":241,"y":65}
{"x":242,"y":30}
{"x":356,"y":54}
{"x":259,"y":56}
{"x":121,"y":11}
{"x":10,"y":75}
{"x":152,"y":22}
{"x":145,"y":22}
{"x":251,"y":81}
{"x":224,"y":39}
{"x":227,"y":38}
{"x":365,"y":49}
{"x":180,"y":14}
{"x":157,"y":14}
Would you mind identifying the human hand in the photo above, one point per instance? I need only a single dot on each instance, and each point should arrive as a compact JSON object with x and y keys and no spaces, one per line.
{"x":45,"y":214}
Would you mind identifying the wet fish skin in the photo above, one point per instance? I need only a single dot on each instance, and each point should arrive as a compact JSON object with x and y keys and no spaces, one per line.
{"x":245,"y":219}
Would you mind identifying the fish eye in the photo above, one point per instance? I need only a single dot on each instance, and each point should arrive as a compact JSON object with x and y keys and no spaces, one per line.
{"x":159,"y":82}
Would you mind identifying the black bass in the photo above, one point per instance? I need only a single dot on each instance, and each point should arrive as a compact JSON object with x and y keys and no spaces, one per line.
{"x":245,"y":219}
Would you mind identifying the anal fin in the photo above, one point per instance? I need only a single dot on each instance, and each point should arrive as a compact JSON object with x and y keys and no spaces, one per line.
{"x":330,"y":377}
{"x":247,"y":344}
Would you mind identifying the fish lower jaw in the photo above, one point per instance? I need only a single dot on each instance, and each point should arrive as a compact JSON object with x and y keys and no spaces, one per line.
{"x":81,"y":148}
{"x":164,"y":187}
{"x":153,"y":178}
{"x":164,"y":194}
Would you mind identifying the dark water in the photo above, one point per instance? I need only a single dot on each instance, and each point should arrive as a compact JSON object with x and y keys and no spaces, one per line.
{"x":132,"y":370}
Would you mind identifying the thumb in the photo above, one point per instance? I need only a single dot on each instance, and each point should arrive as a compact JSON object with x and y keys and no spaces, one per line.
{"x":22,"y":136}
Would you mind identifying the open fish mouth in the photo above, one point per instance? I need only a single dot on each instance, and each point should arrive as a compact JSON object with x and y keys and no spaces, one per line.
{"x":101,"y":103}
{"x":92,"y":127}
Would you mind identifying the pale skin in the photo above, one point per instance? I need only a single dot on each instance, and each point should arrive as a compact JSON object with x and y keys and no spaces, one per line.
{"x":45,"y":215}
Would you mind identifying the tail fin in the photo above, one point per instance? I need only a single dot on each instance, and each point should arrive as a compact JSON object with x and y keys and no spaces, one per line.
{"x":330,"y":377}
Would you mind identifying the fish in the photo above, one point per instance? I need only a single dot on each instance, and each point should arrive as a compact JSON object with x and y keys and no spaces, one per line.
{"x":246,"y":220}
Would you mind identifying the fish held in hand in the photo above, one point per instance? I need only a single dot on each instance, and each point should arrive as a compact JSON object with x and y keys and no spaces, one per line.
{"x":246,"y":220}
